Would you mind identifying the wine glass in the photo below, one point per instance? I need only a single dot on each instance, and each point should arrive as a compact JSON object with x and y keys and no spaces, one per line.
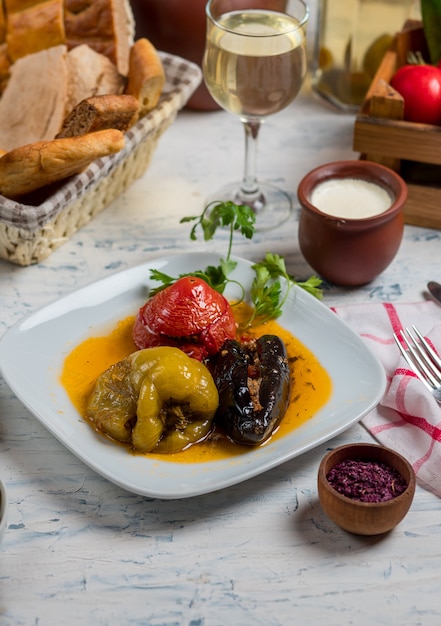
{"x":254,"y":65}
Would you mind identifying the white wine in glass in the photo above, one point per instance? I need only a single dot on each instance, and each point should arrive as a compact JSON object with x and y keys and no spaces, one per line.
{"x":254,"y":66}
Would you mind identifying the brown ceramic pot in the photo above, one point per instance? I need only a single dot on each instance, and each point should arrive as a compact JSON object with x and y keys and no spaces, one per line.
{"x":178,"y":27}
{"x":351,"y":252}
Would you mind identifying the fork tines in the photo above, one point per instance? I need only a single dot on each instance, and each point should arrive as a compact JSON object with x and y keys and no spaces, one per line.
{"x":420,"y":356}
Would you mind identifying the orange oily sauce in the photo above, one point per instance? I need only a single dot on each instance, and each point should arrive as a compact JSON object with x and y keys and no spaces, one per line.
{"x":310,"y":390}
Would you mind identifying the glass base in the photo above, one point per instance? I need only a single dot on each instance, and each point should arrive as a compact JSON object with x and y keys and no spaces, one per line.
{"x":272,"y":205}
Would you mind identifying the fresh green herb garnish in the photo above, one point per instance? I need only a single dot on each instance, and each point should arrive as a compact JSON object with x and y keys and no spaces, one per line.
{"x":216,"y":277}
{"x":268,"y":293}
{"x":215,"y":215}
{"x":236,"y":217}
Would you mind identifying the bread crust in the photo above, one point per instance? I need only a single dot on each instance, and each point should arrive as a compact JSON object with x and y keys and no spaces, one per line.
{"x":105,"y":25}
{"x":36,"y":165}
{"x":2,"y":23}
{"x":146,"y":76}
{"x":99,"y":113}
{"x":13,"y":6}
{"x":5,"y":65}
{"x":35,"y":28}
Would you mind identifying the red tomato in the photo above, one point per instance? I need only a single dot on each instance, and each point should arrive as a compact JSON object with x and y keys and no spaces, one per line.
{"x":188,"y":314}
{"x":420,"y":86}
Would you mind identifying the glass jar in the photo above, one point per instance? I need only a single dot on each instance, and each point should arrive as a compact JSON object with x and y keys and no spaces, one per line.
{"x":352,"y":37}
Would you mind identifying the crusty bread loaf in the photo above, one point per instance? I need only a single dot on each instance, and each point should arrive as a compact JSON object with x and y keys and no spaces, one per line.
{"x":13,"y":6}
{"x":28,"y":26}
{"x":34,"y":27}
{"x":5,"y":65}
{"x":99,"y":113}
{"x":90,"y":74}
{"x":63,"y":106}
{"x":36,"y":165}
{"x":2,"y":23}
{"x":107,"y":26}
{"x":146,"y":75}
{"x":32,"y":107}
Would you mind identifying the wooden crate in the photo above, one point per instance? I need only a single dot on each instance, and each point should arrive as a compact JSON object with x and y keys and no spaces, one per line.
{"x":413,"y":150}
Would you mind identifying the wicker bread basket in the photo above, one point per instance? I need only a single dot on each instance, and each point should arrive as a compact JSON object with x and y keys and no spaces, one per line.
{"x":28,"y":233}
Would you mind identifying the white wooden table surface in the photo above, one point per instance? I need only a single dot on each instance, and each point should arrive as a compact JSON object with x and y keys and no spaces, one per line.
{"x":78,"y":549}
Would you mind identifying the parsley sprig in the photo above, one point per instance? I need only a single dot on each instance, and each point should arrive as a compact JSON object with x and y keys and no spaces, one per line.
{"x":271,"y":284}
{"x":215,"y":215}
{"x":267,"y":293}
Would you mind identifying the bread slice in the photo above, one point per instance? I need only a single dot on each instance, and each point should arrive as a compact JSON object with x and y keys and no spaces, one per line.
{"x":107,"y":26}
{"x":34,"y":28}
{"x":44,"y":87}
{"x":42,"y":163}
{"x":90,"y":74}
{"x":32,"y":107}
{"x":99,"y":113}
{"x":146,"y":75}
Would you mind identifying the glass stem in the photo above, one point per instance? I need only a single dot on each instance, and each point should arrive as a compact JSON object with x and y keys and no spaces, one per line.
{"x":249,"y":186}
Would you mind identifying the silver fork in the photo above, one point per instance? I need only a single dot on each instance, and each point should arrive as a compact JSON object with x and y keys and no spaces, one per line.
{"x":421,"y":358}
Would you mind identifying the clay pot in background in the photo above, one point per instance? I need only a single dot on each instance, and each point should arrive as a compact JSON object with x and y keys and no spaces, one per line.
{"x":178,"y":27}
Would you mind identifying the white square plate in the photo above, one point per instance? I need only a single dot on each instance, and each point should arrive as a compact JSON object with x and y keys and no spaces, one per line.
{"x":32,"y":354}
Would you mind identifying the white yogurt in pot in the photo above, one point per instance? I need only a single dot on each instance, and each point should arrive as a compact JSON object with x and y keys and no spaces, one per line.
{"x":350,"y":198}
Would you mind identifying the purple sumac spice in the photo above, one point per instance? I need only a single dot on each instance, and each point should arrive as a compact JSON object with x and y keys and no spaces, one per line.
{"x":366,"y":481}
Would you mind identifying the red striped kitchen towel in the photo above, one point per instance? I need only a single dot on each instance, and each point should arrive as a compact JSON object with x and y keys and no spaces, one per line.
{"x":407,"y":419}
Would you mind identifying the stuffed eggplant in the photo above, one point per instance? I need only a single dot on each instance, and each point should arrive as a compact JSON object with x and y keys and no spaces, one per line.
{"x":254,"y":382}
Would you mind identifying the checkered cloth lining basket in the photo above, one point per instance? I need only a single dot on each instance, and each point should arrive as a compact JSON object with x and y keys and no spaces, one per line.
{"x":28,"y":234}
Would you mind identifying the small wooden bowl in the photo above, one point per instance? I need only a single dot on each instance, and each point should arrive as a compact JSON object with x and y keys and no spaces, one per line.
{"x":3,"y":509}
{"x":365,"y":518}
